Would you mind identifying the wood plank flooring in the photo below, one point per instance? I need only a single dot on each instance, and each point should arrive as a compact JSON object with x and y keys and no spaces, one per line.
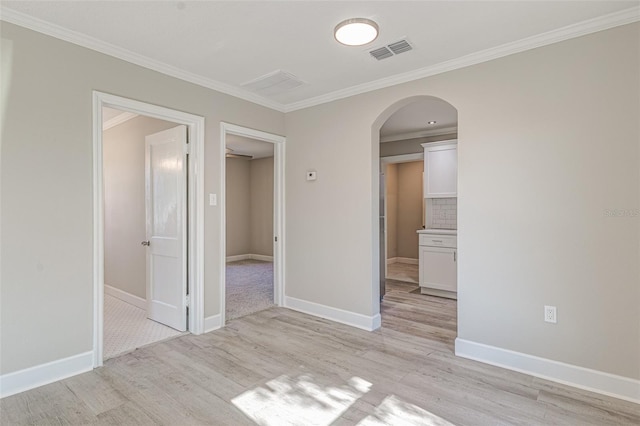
{"x":280,"y":367}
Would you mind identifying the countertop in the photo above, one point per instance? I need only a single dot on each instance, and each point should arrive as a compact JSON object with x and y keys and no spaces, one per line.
{"x":438,"y":231}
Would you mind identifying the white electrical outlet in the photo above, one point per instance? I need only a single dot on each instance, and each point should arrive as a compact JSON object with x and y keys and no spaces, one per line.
{"x":550,"y":314}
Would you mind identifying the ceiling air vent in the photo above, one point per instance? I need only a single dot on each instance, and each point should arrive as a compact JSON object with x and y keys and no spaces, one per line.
{"x":391,"y":49}
{"x":381,"y":53}
{"x":273,"y":83}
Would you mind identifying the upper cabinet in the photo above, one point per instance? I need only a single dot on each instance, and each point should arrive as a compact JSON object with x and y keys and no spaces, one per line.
{"x":441,"y":169}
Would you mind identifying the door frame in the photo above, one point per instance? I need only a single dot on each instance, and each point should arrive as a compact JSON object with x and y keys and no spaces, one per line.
{"x":195,"y":219}
{"x":278,"y":209}
{"x":384,"y":161}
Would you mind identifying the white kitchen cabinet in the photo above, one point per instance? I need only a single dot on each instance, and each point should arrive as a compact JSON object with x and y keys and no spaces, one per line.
{"x":438,"y":269}
{"x":441,"y":169}
{"x":438,"y":263}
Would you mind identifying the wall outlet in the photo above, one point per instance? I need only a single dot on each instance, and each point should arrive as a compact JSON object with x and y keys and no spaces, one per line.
{"x":550,"y":314}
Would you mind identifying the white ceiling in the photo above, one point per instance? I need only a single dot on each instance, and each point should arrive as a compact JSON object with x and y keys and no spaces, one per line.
{"x":246,"y":146}
{"x":223,"y":44}
{"x":411,"y":121}
{"x":109,"y":114}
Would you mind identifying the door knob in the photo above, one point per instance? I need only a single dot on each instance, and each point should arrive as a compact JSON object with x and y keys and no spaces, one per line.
{"x":146,"y":243}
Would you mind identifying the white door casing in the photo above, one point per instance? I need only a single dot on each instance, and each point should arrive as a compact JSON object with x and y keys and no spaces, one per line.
{"x":279,"y":281}
{"x":195,"y":276}
{"x":166,"y":211}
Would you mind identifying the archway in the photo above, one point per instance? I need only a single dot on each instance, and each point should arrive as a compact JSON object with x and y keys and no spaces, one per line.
{"x":400,"y":135}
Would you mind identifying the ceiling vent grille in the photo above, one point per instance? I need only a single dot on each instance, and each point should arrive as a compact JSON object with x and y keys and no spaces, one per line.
{"x":273,"y":83}
{"x":391,"y":49}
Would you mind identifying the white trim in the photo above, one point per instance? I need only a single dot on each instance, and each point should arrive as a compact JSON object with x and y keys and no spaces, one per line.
{"x":364,"y":322}
{"x":212,"y":323}
{"x":262,"y":257}
{"x":418,"y":135}
{"x":279,"y":142}
{"x":59,"y":32}
{"x":572,"y":375}
{"x":43,"y":374}
{"x":579,"y":29}
{"x":238,"y":257}
{"x":403,"y":158}
{"x":195,"y":125}
{"x":131,"y":299}
{"x":406,"y":260}
{"x":118,"y":119}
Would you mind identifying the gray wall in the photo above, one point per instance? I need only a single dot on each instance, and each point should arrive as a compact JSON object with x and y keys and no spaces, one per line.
{"x":47,"y":284}
{"x":249,"y":206}
{"x":262,"y":206}
{"x":409,"y":207}
{"x":124,"y":203}
{"x":548,"y":143}
{"x":391,"y":217}
{"x":238,"y":194}
{"x":404,"y":208}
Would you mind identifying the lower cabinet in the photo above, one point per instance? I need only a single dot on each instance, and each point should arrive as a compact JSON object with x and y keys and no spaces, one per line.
{"x":438,"y":269}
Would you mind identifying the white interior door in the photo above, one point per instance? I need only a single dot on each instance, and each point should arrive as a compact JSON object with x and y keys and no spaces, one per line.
{"x":166,"y":187}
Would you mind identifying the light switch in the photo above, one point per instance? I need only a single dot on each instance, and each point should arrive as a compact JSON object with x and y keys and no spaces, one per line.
{"x":311,"y":175}
{"x":213,"y":200}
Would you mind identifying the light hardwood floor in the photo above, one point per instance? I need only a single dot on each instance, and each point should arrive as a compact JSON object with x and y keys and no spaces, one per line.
{"x":279,"y":367}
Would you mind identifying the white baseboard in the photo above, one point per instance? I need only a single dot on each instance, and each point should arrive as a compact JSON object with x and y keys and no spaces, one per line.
{"x":43,"y":374}
{"x":213,"y":322}
{"x":407,"y":260}
{"x":249,"y":257}
{"x":126,"y":297}
{"x":572,"y":375}
{"x":262,"y":257}
{"x":353,"y":319}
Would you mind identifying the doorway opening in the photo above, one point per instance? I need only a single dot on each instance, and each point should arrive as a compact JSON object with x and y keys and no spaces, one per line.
{"x":133,"y":315}
{"x":403,"y":213}
{"x":401,"y":136}
{"x":252,"y":207}
{"x":148,"y":215}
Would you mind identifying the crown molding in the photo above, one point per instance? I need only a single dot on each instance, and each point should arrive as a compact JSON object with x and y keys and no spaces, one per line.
{"x":579,"y":29}
{"x":589,"y":26}
{"x":118,"y":119}
{"x":53,"y":30}
{"x":419,"y":134}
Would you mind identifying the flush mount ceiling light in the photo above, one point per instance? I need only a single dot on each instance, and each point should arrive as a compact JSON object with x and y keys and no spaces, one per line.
{"x":431,"y":122}
{"x":356,"y":31}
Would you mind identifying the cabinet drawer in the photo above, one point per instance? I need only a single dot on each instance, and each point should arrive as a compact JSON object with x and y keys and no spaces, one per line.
{"x":438,"y":240}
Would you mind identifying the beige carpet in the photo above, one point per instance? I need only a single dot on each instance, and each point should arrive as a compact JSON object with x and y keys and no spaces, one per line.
{"x":126,"y":327}
{"x":249,"y":287}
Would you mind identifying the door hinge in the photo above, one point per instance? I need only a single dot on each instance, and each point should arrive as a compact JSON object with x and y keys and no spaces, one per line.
{"x":186,"y":300}
{"x":276,"y":239}
{"x":187,"y":148}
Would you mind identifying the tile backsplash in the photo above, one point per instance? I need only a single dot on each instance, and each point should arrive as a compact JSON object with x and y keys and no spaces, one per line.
{"x":444,"y":213}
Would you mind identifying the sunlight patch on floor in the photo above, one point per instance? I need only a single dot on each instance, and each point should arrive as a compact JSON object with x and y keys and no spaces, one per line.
{"x":394,"y":411}
{"x":299,"y":401}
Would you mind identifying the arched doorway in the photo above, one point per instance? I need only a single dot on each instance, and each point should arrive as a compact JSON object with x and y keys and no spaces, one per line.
{"x":401,"y":135}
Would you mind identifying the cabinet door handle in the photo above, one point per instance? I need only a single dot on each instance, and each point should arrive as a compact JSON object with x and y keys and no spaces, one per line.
{"x":454,"y":257}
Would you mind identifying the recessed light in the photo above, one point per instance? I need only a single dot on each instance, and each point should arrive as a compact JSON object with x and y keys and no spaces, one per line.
{"x":431,"y":122}
{"x":356,"y":31}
